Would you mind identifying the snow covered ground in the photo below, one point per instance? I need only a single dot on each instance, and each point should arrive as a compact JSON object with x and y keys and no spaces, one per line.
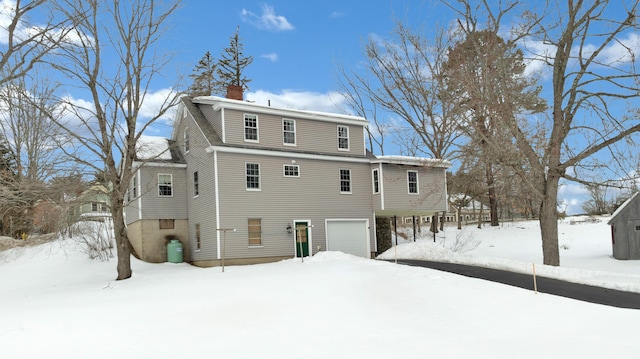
{"x":57,"y":303}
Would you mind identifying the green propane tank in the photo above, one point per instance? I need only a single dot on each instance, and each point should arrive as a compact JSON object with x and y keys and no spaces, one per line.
{"x":174,"y":251}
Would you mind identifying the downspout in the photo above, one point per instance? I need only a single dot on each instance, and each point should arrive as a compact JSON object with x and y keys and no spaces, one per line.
{"x":138,"y":194}
{"x":217,"y":200}
{"x":381,"y":183}
{"x":222,"y":124}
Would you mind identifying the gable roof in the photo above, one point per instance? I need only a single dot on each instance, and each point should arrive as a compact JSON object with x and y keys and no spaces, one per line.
{"x":207,"y":130}
{"x":622,"y":207}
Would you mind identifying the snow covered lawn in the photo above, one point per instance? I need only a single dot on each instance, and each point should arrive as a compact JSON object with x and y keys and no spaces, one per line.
{"x":56,"y":303}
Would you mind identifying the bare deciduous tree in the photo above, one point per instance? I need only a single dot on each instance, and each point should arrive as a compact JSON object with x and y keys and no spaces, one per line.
{"x":24,"y":44}
{"x":485,"y":74}
{"x":24,"y":120}
{"x":118,"y":83}
{"x":402,"y":77}
{"x":593,"y":76}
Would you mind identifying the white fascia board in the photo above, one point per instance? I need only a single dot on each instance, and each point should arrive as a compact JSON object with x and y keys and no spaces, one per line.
{"x":219,"y":103}
{"x":412,"y":161}
{"x":138,"y":164}
{"x":295,"y":155}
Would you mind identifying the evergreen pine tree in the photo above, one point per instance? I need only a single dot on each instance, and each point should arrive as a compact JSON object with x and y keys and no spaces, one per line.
{"x":7,"y":160}
{"x":233,"y":62}
{"x":205,"y":81}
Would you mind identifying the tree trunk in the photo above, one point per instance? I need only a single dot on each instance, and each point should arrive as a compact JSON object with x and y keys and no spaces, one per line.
{"x":549,"y":222}
{"x":122,"y":240}
{"x":434,"y":223}
{"x":480,"y":219}
{"x":493,"y":199}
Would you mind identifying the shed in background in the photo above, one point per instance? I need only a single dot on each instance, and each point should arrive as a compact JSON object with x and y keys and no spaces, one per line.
{"x":625,"y":229}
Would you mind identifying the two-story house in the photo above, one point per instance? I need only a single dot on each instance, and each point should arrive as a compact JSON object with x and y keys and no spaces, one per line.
{"x":250,"y":183}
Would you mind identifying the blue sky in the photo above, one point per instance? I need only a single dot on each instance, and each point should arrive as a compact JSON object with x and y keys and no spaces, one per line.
{"x":295,"y":45}
{"x":296,"y":48}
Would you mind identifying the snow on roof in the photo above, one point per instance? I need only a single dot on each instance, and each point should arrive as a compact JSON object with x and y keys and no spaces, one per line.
{"x":622,"y":207}
{"x":153,"y":147}
{"x":416,"y":161}
{"x":221,"y":102}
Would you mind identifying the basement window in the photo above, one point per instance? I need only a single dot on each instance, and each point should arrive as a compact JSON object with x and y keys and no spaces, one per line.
{"x":167,"y":223}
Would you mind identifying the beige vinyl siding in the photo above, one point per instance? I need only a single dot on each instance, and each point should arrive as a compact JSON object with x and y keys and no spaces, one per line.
{"x":214,"y":118}
{"x":314,"y":196}
{"x":431,"y":195}
{"x":311,"y":136}
{"x":156,"y":207}
{"x":201,"y":208}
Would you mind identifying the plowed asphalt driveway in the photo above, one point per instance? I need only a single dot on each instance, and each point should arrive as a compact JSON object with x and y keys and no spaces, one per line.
{"x":587,"y":293}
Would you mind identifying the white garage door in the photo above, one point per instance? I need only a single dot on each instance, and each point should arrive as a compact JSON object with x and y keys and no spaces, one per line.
{"x":348,"y":236}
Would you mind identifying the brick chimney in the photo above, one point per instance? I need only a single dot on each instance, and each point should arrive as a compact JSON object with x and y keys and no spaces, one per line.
{"x":235,"y":92}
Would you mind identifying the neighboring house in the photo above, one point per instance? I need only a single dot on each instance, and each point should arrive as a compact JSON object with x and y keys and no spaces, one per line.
{"x":625,"y":229}
{"x":248,"y":183}
{"x":468,"y":213}
{"x":93,"y":203}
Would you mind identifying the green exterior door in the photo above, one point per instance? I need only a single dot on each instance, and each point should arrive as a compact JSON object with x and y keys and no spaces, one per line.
{"x":302,"y":239}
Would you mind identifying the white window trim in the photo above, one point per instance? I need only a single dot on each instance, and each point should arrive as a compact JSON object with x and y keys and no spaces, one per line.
{"x":172,"y":189}
{"x":295,"y":133}
{"x":259,"y":178}
{"x":373,"y":181}
{"x":134,"y":187}
{"x":185,"y":140}
{"x":197,"y":232}
{"x":350,"y":181}
{"x":348,"y":138}
{"x":284,"y":171}
{"x":244,"y":127}
{"x":417,"y":183}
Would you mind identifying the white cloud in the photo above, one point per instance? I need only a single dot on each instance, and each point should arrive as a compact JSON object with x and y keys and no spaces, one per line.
{"x":156,"y":101}
{"x":268,"y":20}
{"x":336,"y":14}
{"x":537,"y":54}
{"x":621,"y":51}
{"x":273,"y":57}
{"x":571,"y":196}
{"x":331,"y":102}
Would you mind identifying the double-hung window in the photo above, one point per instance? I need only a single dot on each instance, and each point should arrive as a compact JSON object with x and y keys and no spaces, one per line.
{"x":196,"y":184}
{"x":343,"y":138}
{"x":253,"y":176}
{"x":134,"y":187}
{"x":289,"y":132}
{"x":412,"y":182}
{"x":376,"y":181}
{"x":345,"y":181}
{"x":198,"y":240}
{"x":250,"y":128}
{"x":165,"y":185}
